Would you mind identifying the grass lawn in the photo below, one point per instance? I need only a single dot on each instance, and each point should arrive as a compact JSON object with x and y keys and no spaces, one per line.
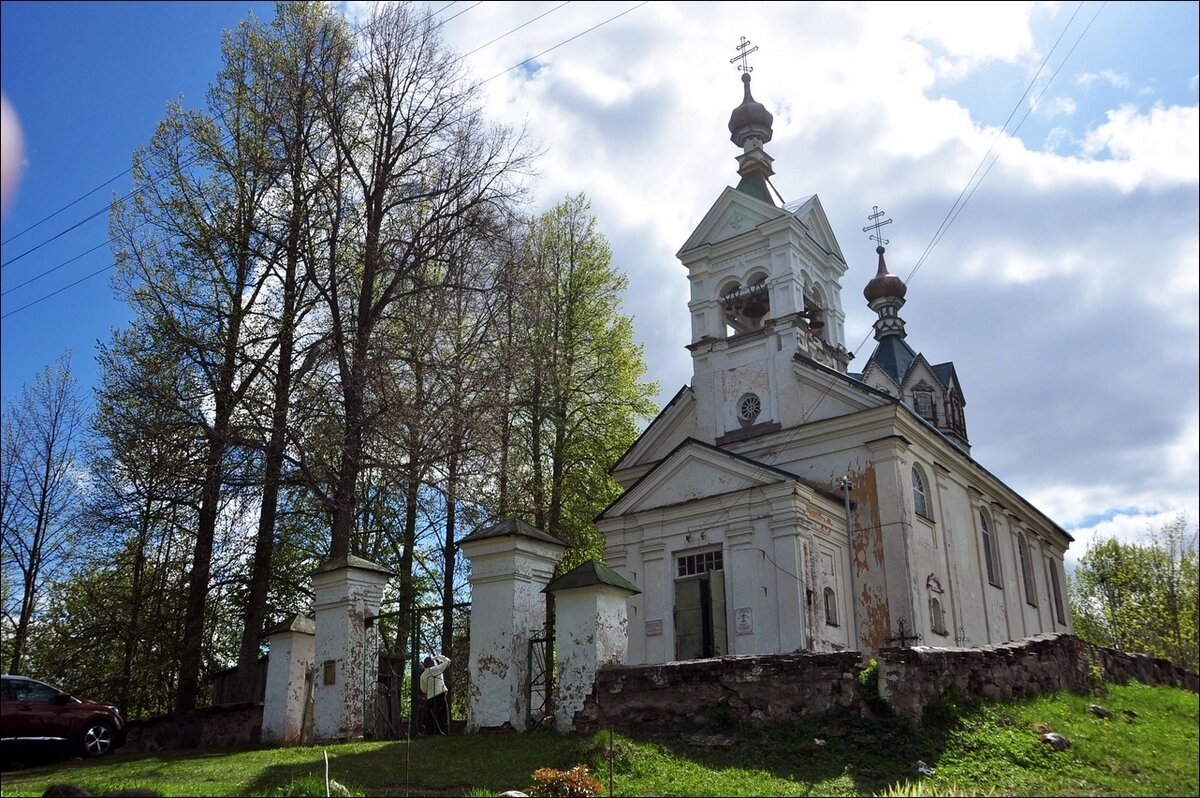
{"x":988,"y":750}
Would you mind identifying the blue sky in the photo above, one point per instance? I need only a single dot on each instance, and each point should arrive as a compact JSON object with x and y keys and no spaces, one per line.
{"x":1065,"y":292}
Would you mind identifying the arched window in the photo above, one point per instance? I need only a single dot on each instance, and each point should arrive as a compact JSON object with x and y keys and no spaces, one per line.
{"x":831,"y":618}
{"x":937,"y":617}
{"x":920,"y":503}
{"x":1027,"y":571}
{"x":989,"y":549}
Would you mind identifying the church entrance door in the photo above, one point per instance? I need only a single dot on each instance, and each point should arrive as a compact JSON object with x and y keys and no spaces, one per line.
{"x":700,"y":629}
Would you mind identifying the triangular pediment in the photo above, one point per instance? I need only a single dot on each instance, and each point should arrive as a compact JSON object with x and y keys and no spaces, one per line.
{"x":733,"y":214}
{"x":810,"y":212}
{"x":675,"y":423}
{"x":693,"y":472}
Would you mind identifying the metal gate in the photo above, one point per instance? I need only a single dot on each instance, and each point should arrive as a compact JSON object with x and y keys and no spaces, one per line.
{"x":539,"y":679}
{"x":394,"y":709}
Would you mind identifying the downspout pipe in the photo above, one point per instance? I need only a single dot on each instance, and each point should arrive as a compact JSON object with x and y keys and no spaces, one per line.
{"x":856,"y":643}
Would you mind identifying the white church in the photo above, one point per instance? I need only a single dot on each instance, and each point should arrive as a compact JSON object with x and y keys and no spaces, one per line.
{"x":782,"y":502}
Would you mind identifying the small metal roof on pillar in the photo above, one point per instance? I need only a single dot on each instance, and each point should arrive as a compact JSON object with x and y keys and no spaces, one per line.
{"x":294,"y":623}
{"x":515,"y":527}
{"x":352,"y":561}
{"x":590,"y":573}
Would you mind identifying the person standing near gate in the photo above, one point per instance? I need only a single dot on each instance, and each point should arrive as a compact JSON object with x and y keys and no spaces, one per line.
{"x":433,"y":685}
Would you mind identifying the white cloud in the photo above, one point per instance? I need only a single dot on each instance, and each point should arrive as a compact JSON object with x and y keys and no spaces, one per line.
{"x":1115,"y":79}
{"x":1057,"y":106}
{"x":1156,"y":148}
{"x":1065,"y":292}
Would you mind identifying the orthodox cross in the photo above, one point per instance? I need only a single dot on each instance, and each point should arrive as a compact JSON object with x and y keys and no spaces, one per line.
{"x":875,"y":217}
{"x":743,"y":54}
{"x":903,"y":636}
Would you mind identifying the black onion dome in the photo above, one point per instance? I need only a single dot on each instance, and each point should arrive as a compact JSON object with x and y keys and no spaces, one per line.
{"x":751,"y":118}
{"x":884,"y":284}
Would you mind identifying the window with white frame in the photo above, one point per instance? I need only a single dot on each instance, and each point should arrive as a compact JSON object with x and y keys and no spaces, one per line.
{"x":990,"y":549}
{"x":920,"y":501}
{"x":1027,"y":571}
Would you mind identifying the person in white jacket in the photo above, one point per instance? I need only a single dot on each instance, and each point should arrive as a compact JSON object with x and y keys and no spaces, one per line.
{"x":433,"y":686}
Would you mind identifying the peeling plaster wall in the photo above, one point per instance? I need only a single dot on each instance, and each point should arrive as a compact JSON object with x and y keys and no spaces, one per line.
{"x":286,"y":693}
{"x":507,"y":609}
{"x":591,"y":631}
{"x":344,"y":599}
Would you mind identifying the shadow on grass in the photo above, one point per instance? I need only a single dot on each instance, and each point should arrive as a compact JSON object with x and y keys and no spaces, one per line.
{"x":867,"y":755}
{"x":426,"y":766}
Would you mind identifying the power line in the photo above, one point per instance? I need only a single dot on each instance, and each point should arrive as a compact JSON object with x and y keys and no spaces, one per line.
{"x":960,"y":202}
{"x":224,"y":141}
{"x":568,"y":41}
{"x":228,"y":137}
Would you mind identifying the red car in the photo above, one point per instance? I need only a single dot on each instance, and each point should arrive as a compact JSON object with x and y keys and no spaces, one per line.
{"x":33,"y":713}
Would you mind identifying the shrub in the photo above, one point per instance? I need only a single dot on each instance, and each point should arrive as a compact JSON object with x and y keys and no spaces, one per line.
{"x":574,"y":783}
{"x":868,"y":681}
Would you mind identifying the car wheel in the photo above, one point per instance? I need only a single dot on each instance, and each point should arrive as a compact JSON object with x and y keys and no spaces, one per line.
{"x":97,"y":739}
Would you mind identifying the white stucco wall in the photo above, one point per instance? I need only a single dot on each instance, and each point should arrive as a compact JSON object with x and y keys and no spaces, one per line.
{"x":345,"y":598}
{"x":283,"y":702}
{"x":591,"y":630}
{"x":508,"y":574}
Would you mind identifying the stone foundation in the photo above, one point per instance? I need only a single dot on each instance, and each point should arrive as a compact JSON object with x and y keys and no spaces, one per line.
{"x":912,"y":678}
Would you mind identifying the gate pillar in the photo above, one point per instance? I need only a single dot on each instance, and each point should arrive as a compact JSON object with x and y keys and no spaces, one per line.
{"x":347,"y":592}
{"x":591,"y":630}
{"x":510,"y":564}
{"x":291,"y":645}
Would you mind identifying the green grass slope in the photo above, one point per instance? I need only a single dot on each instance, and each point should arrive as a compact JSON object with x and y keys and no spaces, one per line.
{"x":1148,"y":747}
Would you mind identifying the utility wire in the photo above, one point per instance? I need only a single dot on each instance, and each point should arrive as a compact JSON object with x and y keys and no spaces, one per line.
{"x":110,"y":240}
{"x":960,"y":202}
{"x":224,"y":141}
{"x":568,"y":41}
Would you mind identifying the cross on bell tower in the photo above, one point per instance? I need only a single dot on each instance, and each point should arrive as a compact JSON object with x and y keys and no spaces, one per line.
{"x":743,"y":54}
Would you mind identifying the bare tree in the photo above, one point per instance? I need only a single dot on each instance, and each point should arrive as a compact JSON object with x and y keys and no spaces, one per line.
{"x":418,"y":171}
{"x":40,"y":492}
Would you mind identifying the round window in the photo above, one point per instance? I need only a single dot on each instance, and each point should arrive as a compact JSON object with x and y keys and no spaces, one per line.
{"x":749,"y":406}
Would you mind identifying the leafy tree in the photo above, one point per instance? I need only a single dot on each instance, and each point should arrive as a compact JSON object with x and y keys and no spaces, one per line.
{"x":583,"y":390}
{"x":39,"y":495}
{"x":1140,"y":596}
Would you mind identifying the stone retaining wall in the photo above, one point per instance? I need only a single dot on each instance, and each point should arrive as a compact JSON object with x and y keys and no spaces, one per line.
{"x":774,"y":688}
{"x":232,"y":725}
{"x":912,"y":678}
{"x":764,"y":689}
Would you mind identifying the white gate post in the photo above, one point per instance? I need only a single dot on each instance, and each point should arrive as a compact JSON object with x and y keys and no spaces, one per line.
{"x":591,"y":630}
{"x":510,"y":564}
{"x":291,"y":646}
{"x":347,"y":593}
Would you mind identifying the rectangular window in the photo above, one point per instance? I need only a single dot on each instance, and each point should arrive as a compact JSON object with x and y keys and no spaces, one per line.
{"x":701,"y":562}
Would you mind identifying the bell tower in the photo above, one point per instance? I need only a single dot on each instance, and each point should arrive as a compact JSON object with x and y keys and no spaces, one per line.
{"x":765,"y":287}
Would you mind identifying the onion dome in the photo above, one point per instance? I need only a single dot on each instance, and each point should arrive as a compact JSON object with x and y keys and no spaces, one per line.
{"x":749,"y":120}
{"x":884,"y":284}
